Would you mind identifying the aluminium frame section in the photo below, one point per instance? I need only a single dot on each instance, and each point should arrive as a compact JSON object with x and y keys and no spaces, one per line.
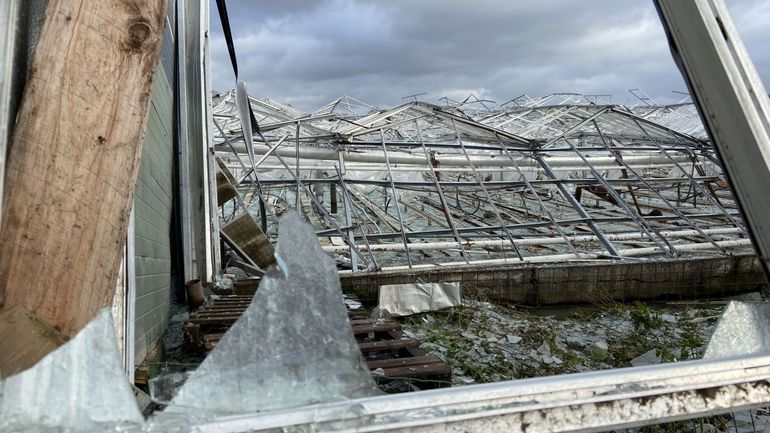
{"x":183,"y":139}
{"x":668,"y":249}
{"x":480,"y":182}
{"x":710,"y":195}
{"x":213,"y":253}
{"x":444,"y":205}
{"x":197,"y":171}
{"x":616,"y":153}
{"x":124,"y":300}
{"x":350,"y":213}
{"x":731,"y":100}
{"x":454,"y":160}
{"x":593,"y":402}
{"x":396,"y":201}
{"x":416,"y":185}
{"x":528,"y":186}
{"x":590,"y":221}
{"x":478,"y":231}
{"x":129,"y":320}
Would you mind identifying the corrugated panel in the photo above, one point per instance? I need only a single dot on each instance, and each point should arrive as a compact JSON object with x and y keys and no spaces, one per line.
{"x":153,"y":213}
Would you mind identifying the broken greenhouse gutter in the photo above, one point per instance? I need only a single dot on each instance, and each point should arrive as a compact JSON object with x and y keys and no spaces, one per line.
{"x":378,"y":157}
{"x":627,"y":253}
{"x":595,"y":401}
{"x":431,"y":246}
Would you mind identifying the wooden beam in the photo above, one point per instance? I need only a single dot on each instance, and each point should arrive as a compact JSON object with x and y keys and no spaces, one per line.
{"x":75,"y":155}
{"x":24,"y":340}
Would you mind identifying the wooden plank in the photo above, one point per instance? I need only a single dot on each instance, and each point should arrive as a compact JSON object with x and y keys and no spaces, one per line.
{"x":435,"y":371}
{"x":373,"y":346}
{"x":75,"y":155}
{"x":246,"y":234}
{"x":219,"y":320}
{"x":211,"y":340}
{"x":403,"y":362}
{"x":238,"y":310}
{"x":149,"y":367}
{"x":366,"y":329}
{"x":24,"y":340}
{"x":225,"y":184}
{"x":209,"y":313}
{"x":232,"y":298}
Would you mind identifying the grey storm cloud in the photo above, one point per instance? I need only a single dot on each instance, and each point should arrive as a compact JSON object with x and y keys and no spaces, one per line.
{"x":308,"y":53}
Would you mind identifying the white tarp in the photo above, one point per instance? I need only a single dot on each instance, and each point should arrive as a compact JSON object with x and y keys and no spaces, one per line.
{"x":407,"y":299}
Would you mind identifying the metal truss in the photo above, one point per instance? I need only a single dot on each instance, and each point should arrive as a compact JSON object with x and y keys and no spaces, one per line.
{"x":472,"y":181}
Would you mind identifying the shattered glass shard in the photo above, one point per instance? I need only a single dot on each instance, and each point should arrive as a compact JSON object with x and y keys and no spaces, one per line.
{"x":293,"y":346}
{"x":743,"y":329}
{"x":78,"y":387}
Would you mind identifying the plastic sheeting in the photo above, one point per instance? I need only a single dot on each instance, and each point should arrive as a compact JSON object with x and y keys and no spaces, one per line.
{"x":293,"y":346}
{"x":80,"y":386}
{"x":743,"y":329}
{"x":407,"y":299}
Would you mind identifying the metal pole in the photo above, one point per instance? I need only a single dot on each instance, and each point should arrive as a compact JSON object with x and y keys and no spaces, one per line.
{"x":668,"y":248}
{"x":264,"y":210}
{"x":577,"y":207}
{"x":298,"y":173}
{"x":491,"y":202}
{"x":440,"y":191}
{"x":695,"y":184}
{"x":657,"y":193}
{"x":731,"y":100}
{"x":528,"y":185}
{"x":349,"y":207}
{"x":395,"y":199}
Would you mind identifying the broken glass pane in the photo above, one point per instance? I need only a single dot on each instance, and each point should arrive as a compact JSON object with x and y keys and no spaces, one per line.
{"x":743,"y":329}
{"x":293,"y":346}
{"x":80,"y":386}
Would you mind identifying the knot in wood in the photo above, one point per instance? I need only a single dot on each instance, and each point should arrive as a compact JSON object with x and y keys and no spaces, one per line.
{"x":138,"y":33}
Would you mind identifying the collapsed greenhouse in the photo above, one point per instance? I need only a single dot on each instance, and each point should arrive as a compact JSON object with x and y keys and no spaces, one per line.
{"x":173,"y":258}
{"x":397,"y":194}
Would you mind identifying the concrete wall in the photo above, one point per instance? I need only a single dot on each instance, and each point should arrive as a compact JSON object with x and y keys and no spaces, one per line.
{"x":153,"y":205}
{"x":583,"y":283}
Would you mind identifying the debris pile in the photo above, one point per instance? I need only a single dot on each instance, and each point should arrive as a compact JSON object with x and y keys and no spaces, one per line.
{"x":485,"y":342}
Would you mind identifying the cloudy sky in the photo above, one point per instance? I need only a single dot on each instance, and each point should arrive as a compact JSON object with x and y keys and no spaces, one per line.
{"x":310,"y":52}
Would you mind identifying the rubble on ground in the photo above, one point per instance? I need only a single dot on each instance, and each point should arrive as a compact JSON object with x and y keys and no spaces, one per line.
{"x":486,"y":342}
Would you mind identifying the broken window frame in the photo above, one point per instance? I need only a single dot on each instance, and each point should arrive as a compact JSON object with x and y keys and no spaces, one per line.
{"x":591,"y":401}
